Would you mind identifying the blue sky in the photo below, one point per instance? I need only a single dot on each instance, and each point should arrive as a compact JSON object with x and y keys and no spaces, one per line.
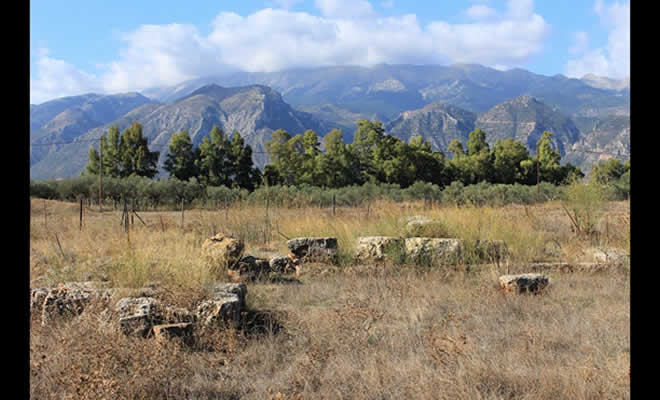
{"x":117,"y":46}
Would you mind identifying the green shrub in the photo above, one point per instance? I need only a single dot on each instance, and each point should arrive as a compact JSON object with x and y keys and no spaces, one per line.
{"x":44,"y":190}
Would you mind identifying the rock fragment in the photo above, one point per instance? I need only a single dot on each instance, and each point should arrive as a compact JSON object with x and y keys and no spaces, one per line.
{"x":322,"y":249}
{"x":222,"y":252}
{"x":378,"y":248}
{"x":421,"y":249}
{"x":524,"y":283}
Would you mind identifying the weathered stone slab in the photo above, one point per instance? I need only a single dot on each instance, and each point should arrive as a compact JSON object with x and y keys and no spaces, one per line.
{"x":67,"y":299}
{"x":248,"y":267}
{"x":222,"y":252}
{"x":226,"y":303}
{"x":37,"y":297}
{"x":221,"y":290}
{"x":282,"y":265}
{"x":378,"y":248}
{"x":524,"y":283}
{"x":420,"y":249}
{"x":137,"y":315}
{"x":225,"y":309}
{"x":322,"y":249}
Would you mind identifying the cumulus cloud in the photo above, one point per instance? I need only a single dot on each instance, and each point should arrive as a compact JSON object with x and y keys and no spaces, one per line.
{"x":345,"y":33}
{"x":613,"y":59}
{"x":580,"y":43}
{"x":57,"y":78}
{"x":161,"y":55}
{"x":480,"y":11}
{"x":345,"y":8}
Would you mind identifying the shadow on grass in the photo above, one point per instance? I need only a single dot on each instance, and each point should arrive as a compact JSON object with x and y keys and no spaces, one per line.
{"x":260,"y":323}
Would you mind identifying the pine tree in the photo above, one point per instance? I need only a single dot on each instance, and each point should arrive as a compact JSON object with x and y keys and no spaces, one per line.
{"x":180,"y":162}
{"x":245,"y":174}
{"x":212,"y":159}
{"x":136,"y":159}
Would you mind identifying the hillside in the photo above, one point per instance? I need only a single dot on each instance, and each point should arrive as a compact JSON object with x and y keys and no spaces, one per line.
{"x":443,"y":102}
{"x":522,"y":118}
{"x":67,"y":118}
{"x":438,"y":123}
{"x":392,"y":89}
{"x":254,"y":111}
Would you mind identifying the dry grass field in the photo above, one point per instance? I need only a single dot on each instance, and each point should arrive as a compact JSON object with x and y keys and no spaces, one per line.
{"x":344,"y":331}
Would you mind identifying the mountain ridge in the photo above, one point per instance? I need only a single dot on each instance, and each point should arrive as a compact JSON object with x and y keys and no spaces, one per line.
{"x":325,"y":98}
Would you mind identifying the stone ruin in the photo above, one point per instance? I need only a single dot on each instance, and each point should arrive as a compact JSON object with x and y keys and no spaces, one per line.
{"x":145,"y":316}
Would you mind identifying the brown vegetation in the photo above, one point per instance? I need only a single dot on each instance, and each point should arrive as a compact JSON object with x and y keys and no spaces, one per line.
{"x":348,"y":331}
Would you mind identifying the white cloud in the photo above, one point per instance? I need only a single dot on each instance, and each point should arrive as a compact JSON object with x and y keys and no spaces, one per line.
{"x":580,"y":43}
{"x":508,"y":40}
{"x":345,"y":8}
{"x":479,"y":11}
{"x":613,"y":59}
{"x":520,"y":9}
{"x":160,"y":55}
{"x":57,"y":78}
{"x":346,"y":33}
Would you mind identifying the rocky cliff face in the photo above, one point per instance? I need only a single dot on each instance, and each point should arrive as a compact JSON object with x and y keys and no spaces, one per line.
{"x":600,"y":139}
{"x":437,"y":123}
{"x":525,"y":119}
{"x":439,"y":102}
{"x":68,"y":118}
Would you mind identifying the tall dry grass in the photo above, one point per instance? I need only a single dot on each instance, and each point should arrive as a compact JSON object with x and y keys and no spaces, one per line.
{"x":347,"y":332}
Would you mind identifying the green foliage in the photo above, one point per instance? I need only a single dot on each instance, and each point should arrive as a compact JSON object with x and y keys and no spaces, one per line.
{"x":508,"y":162}
{"x":180,"y":161}
{"x":584,"y":204}
{"x":44,"y":189}
{"x":614,"y":176}
{"x":375,"y":166}
{"x":74,"y":189}
{"x":212,"y":161}
{"x":123,"y":155}
{"x":243,"y":172}
{"x":136,"y":159}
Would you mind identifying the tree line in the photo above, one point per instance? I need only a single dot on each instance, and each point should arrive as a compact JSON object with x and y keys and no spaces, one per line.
{"x":218,"y":160}
{"x":373,"y":157}
{"x":376,"y":157}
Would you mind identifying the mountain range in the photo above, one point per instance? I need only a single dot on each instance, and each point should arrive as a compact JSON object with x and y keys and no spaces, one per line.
{"x":590,"y":117}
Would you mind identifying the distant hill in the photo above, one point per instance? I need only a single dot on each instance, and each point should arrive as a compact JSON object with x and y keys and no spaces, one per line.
{"x":67,"y":118}
{"x":523,"y":118}
{"x":254,"y":111}
{"x":443,"y":102}
{"x":438,"y":123}
{"x":392,"y":89}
